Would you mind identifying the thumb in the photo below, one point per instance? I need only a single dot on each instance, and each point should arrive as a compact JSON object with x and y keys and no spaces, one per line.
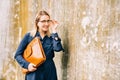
{"x":33,"y":65}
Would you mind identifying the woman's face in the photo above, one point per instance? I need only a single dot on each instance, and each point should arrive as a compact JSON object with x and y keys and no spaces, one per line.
{"x":44,"y":23}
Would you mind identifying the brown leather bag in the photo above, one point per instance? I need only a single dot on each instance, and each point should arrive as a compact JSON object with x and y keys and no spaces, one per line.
{"x":34,"y":53}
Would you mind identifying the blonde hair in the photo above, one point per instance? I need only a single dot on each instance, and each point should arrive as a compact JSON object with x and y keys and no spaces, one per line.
{"x":36,"y":28}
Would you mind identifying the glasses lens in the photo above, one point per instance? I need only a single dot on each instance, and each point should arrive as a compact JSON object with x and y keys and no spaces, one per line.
{"x":44,"y":21}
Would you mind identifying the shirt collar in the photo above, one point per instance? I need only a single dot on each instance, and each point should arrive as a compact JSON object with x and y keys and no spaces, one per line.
{"x":38,"y":35}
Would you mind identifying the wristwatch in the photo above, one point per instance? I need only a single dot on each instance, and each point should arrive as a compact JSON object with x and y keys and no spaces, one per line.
{"x":56,"y":38}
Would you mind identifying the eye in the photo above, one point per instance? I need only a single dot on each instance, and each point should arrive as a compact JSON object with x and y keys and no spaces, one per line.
{"x":44,"y":21}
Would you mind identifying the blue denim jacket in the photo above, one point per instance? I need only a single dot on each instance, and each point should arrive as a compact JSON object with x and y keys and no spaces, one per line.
{"x":50,"y":44}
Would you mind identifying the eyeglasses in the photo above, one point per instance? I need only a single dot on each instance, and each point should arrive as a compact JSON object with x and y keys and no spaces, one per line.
{"x":44,"y":21}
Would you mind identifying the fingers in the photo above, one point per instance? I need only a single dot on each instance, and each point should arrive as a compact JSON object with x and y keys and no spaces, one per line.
{"x":53,"y":26}
{"x":54,"y":22}
{"x":31,"y":67}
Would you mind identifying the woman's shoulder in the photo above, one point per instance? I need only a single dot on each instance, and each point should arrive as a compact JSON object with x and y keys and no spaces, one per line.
{"x":30,"y":33}
{"x":27,"y":34}
{"x":27,"y":37}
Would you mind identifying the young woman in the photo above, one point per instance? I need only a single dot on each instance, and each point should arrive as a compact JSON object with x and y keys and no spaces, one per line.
{"x":50,"y":43}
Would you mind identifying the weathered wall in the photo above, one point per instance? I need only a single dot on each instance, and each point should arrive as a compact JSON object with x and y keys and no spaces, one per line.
{"x":89,"y":30}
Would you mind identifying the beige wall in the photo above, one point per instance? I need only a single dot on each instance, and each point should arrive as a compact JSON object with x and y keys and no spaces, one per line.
{"x":89,"y":30}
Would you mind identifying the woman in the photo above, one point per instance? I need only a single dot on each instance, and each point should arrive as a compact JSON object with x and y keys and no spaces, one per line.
{"x":50,"y":43}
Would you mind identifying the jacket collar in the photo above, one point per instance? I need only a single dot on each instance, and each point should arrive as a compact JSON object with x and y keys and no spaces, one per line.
{"x":38,"y":35}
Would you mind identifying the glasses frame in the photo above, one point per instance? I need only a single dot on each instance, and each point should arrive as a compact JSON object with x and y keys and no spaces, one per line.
{"x":44,"y":21}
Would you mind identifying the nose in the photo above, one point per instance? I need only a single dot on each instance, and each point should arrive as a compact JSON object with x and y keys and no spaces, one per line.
{"x":46,"y":23}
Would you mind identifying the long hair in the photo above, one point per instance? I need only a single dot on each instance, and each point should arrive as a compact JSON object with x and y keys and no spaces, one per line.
{"x":36,"y":28}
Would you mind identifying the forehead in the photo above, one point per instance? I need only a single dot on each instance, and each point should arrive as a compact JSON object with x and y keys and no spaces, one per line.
{"x":44,"y":17}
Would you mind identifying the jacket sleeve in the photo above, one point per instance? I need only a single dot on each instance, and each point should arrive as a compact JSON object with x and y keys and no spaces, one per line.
{"x":57,"y":46}
{"x":19,"y":52}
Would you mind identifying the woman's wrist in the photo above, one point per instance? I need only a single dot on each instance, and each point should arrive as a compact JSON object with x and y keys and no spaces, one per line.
{"x":54,"y":31}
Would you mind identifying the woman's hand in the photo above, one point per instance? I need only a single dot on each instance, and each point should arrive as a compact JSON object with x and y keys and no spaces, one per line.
{"x":53,"y":25}
{"x":31,"y":67}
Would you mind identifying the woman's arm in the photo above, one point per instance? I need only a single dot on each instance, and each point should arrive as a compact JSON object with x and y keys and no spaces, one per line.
{"x":57,"y":46}
{"x":20,"y":50}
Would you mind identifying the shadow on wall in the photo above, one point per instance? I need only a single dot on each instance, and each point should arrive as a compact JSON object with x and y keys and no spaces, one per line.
{"x":65,"y":56}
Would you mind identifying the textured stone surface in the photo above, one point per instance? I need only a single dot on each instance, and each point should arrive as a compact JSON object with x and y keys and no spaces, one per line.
{"x":90,"y":31}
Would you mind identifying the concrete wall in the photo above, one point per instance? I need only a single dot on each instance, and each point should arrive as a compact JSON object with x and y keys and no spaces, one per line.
{"x":89,"y":30}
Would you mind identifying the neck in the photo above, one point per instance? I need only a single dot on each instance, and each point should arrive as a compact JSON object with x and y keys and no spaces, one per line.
{"x":42,"y":34}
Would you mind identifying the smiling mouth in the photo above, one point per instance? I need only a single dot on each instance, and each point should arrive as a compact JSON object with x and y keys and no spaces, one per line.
{"x":45,"y":27}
